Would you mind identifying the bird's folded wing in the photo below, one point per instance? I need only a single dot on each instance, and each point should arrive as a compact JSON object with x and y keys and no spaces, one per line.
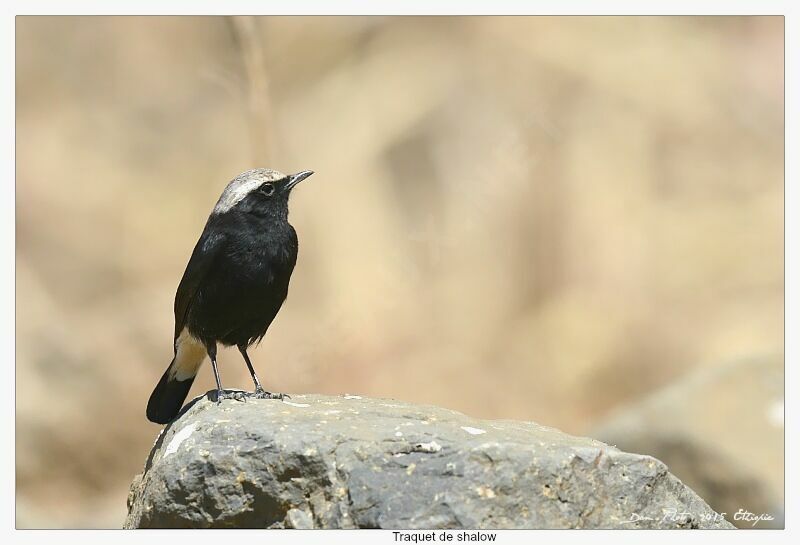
{"x":205,"y":252}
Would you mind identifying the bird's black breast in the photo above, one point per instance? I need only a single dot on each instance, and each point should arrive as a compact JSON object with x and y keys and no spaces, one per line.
{"x":246,"y":281}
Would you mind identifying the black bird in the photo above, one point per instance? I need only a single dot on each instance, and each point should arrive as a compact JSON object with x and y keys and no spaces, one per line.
{"x":234,"y":284}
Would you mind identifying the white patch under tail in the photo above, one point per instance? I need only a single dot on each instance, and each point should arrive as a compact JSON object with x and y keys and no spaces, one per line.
{"x":189,"y":356}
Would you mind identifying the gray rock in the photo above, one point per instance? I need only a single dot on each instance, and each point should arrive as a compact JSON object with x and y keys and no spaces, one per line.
{"x":720,"y":430}
{"x":351,"y":462}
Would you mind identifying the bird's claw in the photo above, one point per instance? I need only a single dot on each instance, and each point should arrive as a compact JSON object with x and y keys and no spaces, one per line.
{"x":238,"y":396}
{"x":260,"y":393}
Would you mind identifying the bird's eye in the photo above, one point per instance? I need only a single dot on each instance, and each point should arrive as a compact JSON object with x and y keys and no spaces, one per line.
{"x":267,"y":190}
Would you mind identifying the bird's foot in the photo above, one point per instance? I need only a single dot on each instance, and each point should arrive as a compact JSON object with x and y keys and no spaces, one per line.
{"x":238,"y":396}
{"x":260,"y":393}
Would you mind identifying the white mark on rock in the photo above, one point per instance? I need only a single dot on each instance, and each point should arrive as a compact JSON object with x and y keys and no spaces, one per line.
{"x":398,"y":434}
{"x":159,"y":435}
{"x":485,"y":492}
{"x":179,"y":438}
{"x":473,"y":431}
{"x":775,"y":413}
{"x":350,"y":396}
{"x":296,"y":404}
{"x":433,"y":446}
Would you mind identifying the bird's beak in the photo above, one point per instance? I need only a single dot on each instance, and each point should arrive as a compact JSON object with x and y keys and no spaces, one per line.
{"x":294,"y":179}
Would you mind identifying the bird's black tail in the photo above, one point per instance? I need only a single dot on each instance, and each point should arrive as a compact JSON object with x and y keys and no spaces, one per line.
{"x":168,"y":397}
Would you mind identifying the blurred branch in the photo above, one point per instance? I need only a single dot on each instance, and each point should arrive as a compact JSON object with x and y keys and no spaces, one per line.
{"x":248,"y":38}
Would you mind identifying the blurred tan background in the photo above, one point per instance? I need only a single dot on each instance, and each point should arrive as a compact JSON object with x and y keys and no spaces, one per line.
{"x":547,"y":219}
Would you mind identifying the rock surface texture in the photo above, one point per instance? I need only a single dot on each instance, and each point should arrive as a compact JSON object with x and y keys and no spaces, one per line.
{"x":721,"y":431}
{"x":351,"y":462}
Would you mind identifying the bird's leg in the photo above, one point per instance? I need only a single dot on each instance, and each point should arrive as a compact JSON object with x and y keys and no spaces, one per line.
{"x":221,"y":394}
{"x":259,"y":391}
